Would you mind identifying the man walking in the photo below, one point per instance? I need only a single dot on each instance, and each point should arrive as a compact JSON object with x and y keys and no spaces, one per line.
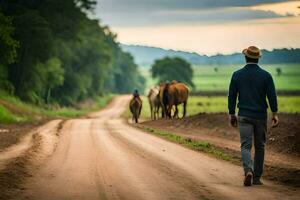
{"x":252,"y":85}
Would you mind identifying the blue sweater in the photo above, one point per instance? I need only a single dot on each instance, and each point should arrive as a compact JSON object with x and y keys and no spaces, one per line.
{"x":252,"y":85}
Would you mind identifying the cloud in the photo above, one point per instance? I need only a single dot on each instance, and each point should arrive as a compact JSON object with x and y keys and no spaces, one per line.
{"x":182,"y":16}
{"x":157,"y":12}
{"x":155,"y":5}
{"x":217,"y":38}
{"x":204,"y":26}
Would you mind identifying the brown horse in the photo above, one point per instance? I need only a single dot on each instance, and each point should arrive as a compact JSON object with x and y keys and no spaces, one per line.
{"x":135,"y":106}
{"x":173,"y":94}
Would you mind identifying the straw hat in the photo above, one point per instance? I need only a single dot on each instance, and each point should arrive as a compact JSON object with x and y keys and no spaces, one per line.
{"x":252,"y":52}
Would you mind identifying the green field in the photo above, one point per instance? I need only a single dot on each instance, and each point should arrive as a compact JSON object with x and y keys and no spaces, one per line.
{"x":197,"y":104}
{"x":207,"y":79}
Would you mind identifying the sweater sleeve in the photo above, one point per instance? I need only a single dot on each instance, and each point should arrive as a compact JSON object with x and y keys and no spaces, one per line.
{"x":232,"y":95}
{"x":271,"y":94}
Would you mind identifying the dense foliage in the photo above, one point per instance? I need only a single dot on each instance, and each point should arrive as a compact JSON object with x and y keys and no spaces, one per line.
{"x":168,"y":69}
{"x":50,"y":51}
{"x":8,"y":49}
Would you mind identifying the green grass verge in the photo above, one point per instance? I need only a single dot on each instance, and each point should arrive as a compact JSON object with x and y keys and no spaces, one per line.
{"x":6,"y":117}
{"x":70,"y":112}
{"x":19,"y":111}
{"x":202,"y":146}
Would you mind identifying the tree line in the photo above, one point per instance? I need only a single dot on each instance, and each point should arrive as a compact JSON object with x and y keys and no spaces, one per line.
{"x":50,"y":51}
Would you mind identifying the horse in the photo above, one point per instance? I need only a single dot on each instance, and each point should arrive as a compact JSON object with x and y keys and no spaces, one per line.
{"x":135,"y":106}
{"x":154,"y":102}
{"x":173,"y":94}
{"x":161,"y":98}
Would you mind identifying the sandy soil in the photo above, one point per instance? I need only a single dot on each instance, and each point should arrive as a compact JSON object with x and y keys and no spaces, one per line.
{"x":13,"y":134}
{"x":102,"y":157}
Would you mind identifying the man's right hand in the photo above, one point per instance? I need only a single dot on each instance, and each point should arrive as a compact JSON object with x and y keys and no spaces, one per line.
{"x":233,"y":120}
{"x":275,"y":120}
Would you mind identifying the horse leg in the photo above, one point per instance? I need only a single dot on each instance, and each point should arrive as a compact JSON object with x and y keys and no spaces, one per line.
{"x":151,"y":110}
{"x":157,"y":112}
{"x":136,"y":115}
{"x":140,"y":110}
{"x":176,"y":112}
{"x":184,"y":109}
{"x":169,"y":112}
{"x":163,"y":112}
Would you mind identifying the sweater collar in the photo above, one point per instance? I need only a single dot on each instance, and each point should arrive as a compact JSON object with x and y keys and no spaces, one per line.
{"x":251,"y":65}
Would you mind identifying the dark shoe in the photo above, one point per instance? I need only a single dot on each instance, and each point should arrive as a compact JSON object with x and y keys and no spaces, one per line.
{"x":256,"y":181}
{"x":248,"y":179}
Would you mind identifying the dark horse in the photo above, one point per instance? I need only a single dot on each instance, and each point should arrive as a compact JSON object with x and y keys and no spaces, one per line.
{"x":173,"y":94}
{"x":135,"y":106}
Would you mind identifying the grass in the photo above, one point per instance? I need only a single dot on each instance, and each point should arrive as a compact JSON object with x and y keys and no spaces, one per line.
{"x":202,"y":146}
{"x":217,"y":104}
{"x":7,"y":117}
{"x":207,"y":79}
{"x":13,"y":110}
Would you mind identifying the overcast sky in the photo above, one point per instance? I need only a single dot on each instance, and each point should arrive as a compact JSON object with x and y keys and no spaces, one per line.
{"x":204,"y":26}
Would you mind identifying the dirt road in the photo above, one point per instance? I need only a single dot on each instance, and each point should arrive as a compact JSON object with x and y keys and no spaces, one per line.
{"x":102,"y":157}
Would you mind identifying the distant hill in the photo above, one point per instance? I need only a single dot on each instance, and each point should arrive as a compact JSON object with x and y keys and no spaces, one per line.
{"x":145,"y":55}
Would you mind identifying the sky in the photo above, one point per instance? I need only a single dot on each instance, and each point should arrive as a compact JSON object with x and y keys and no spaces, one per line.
{"x":204,"y":26}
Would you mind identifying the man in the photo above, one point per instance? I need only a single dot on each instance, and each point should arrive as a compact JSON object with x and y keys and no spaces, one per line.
{"x":136,"y":94}
{"x":135,"y":105}
{"x":252,"y":85}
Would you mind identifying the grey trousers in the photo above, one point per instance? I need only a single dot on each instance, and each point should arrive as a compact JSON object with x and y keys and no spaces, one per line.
{"x":253,"y":130}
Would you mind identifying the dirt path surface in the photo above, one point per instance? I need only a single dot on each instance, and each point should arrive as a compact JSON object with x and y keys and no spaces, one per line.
{"x":102,"y":157}
{"x":282,"y":158}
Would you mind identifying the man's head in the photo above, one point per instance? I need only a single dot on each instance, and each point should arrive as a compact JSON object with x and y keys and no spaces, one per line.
{"x":252,"y":54}
{"x":251,"y":60}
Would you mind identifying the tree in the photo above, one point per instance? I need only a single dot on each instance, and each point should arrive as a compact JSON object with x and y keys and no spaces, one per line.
{"x":54,"y":76}
{"x":63,"y":54}
{"x":8,"y":45}
{"x":8,"y":50}
{"x":168,"y":69}
{"x":36,"y":40}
